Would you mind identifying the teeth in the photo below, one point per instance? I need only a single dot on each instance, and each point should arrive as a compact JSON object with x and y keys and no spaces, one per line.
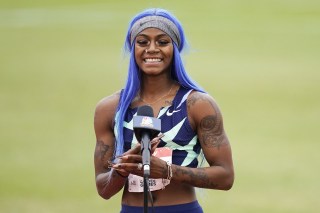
{"x":152,"y":59}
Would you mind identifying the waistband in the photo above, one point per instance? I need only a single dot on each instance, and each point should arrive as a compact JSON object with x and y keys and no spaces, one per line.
{"x":193,"y":207}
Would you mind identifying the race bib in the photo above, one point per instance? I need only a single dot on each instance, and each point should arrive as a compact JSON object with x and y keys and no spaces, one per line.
{"x":136,"y":182}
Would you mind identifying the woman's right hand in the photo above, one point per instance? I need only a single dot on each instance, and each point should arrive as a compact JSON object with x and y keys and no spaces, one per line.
{"x":129,"y":161}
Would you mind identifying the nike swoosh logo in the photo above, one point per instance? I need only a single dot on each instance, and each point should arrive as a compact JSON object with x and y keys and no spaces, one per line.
{"x":143,"y":23}
{"x":170,"y":113}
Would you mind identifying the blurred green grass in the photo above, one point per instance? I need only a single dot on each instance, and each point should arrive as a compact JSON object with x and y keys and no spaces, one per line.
{"x":259,"y":59}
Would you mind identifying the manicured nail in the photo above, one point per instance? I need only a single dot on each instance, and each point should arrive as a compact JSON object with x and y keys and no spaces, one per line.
{"x":117,"y":166}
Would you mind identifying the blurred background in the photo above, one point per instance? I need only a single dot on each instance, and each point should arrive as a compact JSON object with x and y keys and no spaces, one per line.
{"x":258,"y":59}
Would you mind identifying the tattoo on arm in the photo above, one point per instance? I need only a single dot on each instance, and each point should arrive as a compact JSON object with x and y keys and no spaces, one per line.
{"x":193,"y":98}
{"x":101,"y":150}
{"x":201,"y":178}
{"x":100,"y":153}
{"x":208,"y":123}
{"x":211,"y":127}
{"x":212,"y":133}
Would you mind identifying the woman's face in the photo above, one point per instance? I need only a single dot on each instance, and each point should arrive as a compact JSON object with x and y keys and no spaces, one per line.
{"x":158,"y":57}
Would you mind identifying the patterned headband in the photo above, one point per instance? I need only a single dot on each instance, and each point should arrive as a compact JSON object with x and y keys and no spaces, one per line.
{"x":159,"y":22}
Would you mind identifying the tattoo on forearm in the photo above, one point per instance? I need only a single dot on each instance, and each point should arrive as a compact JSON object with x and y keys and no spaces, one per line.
{"x":100,"y":153}
{"x":101,"y":150}
{"x":200,"y":178}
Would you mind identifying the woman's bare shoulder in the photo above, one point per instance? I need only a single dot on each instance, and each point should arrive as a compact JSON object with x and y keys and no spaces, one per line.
{"x":198,"y":99}
{"x":108,"y":103}
{"x":201,"y":105}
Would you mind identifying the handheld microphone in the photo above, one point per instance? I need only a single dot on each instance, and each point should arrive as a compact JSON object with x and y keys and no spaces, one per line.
{"x":146,"y":127}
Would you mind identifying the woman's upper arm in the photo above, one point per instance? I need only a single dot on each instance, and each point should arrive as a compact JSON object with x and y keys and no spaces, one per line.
{"x":103,"y":127}
{"x":207,"y":121}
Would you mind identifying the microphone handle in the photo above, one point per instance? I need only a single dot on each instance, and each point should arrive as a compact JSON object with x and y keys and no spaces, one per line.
{"x":146,"y":150}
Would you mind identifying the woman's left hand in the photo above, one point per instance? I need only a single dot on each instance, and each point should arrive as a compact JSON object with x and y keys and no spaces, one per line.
{"x":131,"y":161}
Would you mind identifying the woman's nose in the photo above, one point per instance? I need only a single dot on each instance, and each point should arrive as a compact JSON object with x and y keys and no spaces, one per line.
{"x":153,"y":47}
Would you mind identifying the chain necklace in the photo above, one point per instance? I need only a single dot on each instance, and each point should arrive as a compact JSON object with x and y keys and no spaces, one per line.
{"x":159,"y":99}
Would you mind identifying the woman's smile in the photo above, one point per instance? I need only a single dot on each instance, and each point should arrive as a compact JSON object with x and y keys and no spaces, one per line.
{"x":152,"y":60}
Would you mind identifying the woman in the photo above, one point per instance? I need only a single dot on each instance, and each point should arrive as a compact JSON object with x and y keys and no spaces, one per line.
{"x":191,"y":124}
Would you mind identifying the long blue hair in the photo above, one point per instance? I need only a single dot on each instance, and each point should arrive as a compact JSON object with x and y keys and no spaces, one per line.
{"x":132,"y":85}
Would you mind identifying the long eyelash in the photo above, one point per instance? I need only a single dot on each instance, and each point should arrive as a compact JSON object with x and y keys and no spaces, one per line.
{"x":142,"y":43}
{"x":163,"y":43}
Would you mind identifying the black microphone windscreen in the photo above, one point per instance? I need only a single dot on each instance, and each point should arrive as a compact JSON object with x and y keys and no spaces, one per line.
{"x":145,"y":122}
{"x":145,"y":110}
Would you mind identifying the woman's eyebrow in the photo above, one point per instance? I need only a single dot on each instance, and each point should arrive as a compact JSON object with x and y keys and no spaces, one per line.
{"x":157,"y":36}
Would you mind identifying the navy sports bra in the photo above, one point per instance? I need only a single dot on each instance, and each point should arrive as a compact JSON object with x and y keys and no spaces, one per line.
{"x":178,"y":133}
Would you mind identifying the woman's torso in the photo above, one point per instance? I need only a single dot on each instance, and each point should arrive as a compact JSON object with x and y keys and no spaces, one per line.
{"x":178,"y":136}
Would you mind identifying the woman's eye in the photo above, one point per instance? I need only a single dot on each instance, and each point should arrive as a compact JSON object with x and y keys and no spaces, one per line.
{"x":142,"y":42}
{"x":163,"y":42}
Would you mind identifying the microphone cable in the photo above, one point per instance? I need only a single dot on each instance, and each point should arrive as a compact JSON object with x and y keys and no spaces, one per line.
{"x":150,"y":194}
